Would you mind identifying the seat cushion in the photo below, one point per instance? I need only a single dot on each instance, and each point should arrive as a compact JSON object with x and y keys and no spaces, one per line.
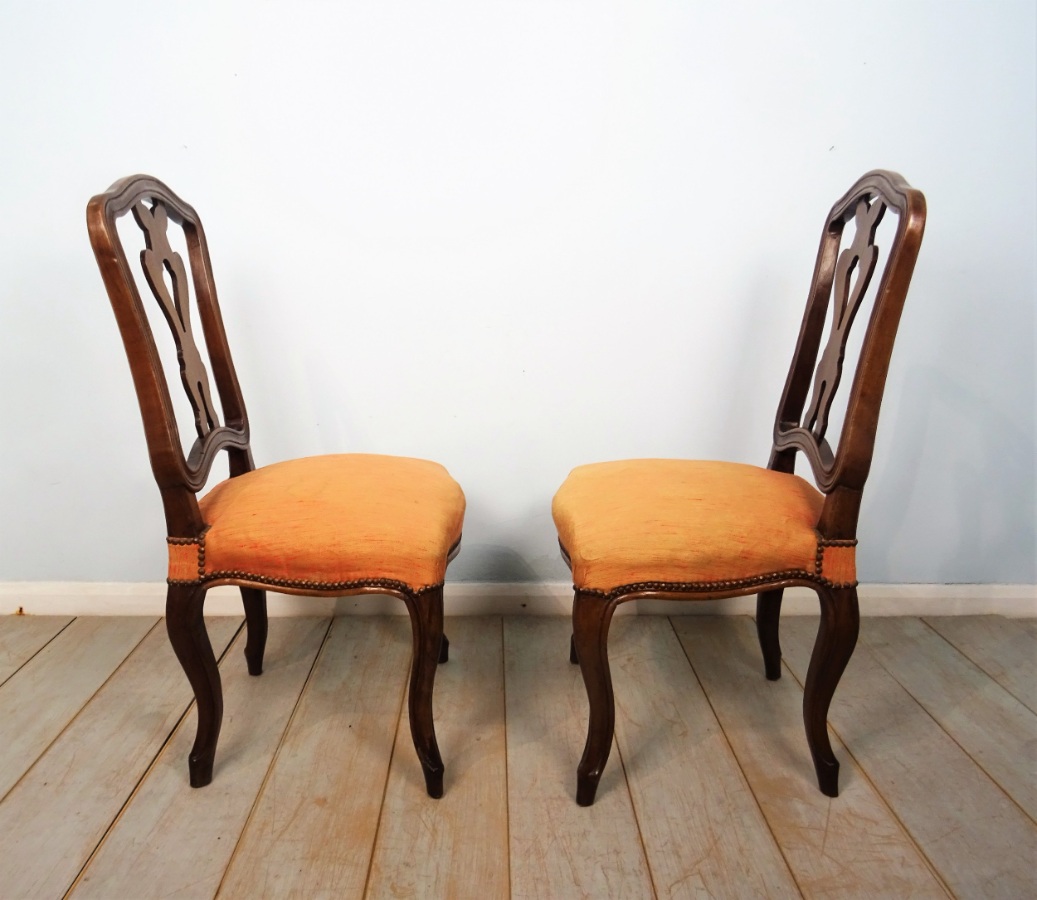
{"x":685,"y":522}
{"x":326,"y":522}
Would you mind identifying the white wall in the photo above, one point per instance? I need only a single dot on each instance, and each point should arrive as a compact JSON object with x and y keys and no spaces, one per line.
{"x":515,"y":237}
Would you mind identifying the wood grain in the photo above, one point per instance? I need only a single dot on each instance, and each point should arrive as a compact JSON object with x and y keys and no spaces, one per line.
{"x":559,"y":849}
{"x":312,"y":832}
{"x":994,"y":728}
{"x":21,"y":637}
{"x":702,"y":829}
{"x":975,"y":836}
{"x":1006,"y":649}
{"x":455,"y":847}
{"x":175,"y":841}
{"x":44,"y":695}
{"x":849,"y":847}
{"x":58,"y":813}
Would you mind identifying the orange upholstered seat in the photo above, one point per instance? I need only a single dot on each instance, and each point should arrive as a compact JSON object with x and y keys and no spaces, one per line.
{"x":329,"y":526}
{"x":327,"y":523}
{"x":691,"y":523}
{"x":678,"y":529}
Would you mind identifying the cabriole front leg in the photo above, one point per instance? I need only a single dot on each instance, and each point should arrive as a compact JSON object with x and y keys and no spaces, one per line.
{"x":426,"y":615}
{"x":592,"y":615}
{"x":836,"y":638}
{"x":186,"y":628}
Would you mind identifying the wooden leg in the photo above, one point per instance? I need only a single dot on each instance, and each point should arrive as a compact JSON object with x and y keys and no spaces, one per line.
{"x":256,"y":624}
{"x":836,"y":638}
{"x":426,"y":615}
{"x":591,"y":618}
{"x":187,"y":634}
{"x":768,"y":611}
{"x":573,"y":658}
{"x":444,"y":650}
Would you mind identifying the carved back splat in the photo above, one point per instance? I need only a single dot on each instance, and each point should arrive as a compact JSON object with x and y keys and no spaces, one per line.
{"x":180,"y":476}
{"x":860,"y":258}
{"x":159,"y":258}
{"x":841,"y":281}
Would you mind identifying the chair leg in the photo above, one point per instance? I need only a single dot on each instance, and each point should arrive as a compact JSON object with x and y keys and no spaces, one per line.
{"x":591,"y":618}
{"x":256,"y":624}
{"x":426,"y":615}
{"x":836,"y":638}
{"x":444,"y":650}
{"x":573,"y":658}
{"x":187,"y":634}
{"x":768,"y":611}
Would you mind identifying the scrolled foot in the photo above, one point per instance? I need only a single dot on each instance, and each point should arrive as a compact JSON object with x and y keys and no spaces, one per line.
{"x":434,"y":782}
{"x":586,"y":788}
{"x":828,"y":776}
{"x":200,"y":769}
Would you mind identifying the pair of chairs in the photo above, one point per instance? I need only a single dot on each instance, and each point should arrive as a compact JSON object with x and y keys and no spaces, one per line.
{"x":357,"y":524}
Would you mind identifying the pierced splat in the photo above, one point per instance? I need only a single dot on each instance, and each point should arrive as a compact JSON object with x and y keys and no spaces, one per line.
{"x":857,"y":259}
{"x":158,"y":260}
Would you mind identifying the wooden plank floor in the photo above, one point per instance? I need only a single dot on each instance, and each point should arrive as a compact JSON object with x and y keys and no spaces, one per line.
{"x":709,"y":790}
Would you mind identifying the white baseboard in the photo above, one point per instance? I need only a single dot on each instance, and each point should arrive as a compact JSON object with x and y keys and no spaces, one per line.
{"x":514,"y":599}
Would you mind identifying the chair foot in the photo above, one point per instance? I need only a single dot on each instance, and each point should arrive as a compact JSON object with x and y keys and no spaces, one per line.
{"x":573,"y":658}
{"x":200,"y":768}
{"x":828,"y":776}
{"x":768,"y":612}
{"x":586,"y":788}
{"x":254,"y":601}
{"x":444,"y":650}
{"x":434,"y":782}
{"x":836,"y":639}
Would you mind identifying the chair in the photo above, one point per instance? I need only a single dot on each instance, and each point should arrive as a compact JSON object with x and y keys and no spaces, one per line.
{"x":321,"y":526}
{"x":679,"y":529}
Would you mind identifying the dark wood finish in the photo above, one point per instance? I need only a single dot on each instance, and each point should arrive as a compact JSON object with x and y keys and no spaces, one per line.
{"x":180,"y":476}
{"x":841,"y":282}
{"x":254,"y":602}
{"x":186,"y":627}
{"x":768,"y":610}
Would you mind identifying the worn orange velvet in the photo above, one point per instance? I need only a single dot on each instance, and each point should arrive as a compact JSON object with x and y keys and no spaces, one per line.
{"x":685,"y":521}
{"x":328,"y":520}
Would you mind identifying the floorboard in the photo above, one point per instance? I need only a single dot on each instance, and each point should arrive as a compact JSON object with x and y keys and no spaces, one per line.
{"x":559,"y":849}
{"x":58,"y":813}
{"x":22,"y":637}
{"x":709,"y":789}
{"x":972,"y":833}
{"x":44,"y":695}
{"x":313,"y":829}
{"x":454,"y":847}
{"x":701,"y":826}
{"x":849,"y":847}
{"x":1006,"y":649}
{"x":989,"y":724}
{"x":175,"y":841}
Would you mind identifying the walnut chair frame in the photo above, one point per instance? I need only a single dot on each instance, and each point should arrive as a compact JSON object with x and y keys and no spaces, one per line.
{"x":840,"y":474}
{"x":181,"y":476}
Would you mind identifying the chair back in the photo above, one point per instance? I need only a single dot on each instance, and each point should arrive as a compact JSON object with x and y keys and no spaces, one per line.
{"x":851,"y":272}
{"x":181,"y":468}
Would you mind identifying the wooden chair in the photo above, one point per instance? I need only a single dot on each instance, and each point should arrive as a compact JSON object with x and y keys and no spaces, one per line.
{"x":679,"y":529}
{"x":321,"y":526}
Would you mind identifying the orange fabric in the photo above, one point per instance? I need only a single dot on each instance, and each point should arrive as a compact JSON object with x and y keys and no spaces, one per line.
{"x":183,"y":561}
{"x":840,"y":564}
{"x":684,"y":521}
{"x":332,"y":519}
